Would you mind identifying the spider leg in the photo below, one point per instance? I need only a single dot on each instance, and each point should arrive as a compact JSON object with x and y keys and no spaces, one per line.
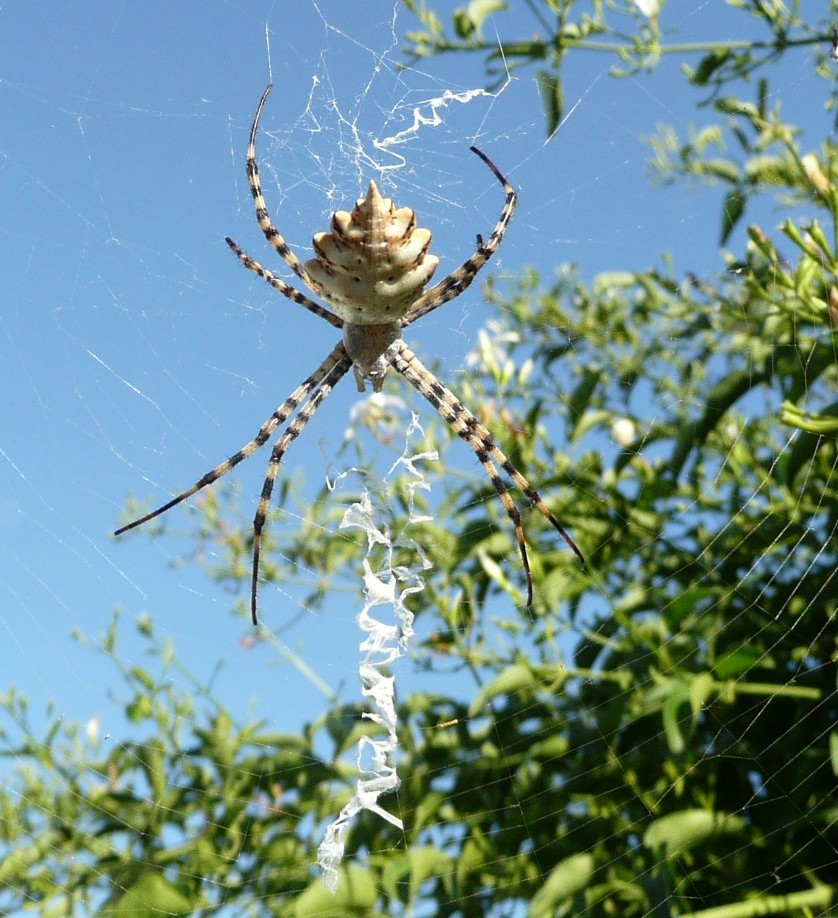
{"x":285,"y":289}
{"x":272,"y":234}
{"x":295,"y":428}
{"x":337,"y":358}
{"x":466,"y":425}
{"x":461,"y":278}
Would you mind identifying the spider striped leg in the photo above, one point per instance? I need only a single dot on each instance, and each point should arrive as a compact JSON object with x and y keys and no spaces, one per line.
{"x":285,"y":289}
{"x":461,"y":278}
{"x":336,"y":358}
{"x":272,"y":234}
{"x":466,"y":425}
{"x":295,"y":428}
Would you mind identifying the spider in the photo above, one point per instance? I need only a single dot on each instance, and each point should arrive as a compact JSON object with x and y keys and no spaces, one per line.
{"x":371,"y":268}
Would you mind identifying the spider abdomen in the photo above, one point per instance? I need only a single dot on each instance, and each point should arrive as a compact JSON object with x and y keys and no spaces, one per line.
{"x":374,"y":263}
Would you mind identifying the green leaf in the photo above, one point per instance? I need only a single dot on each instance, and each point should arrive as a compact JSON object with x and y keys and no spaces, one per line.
{"x":675,"y":693}
{"x":552,"y":98}
{"x":732,"y":211}
{"x":425,"y":862}
{"x":495,"y":572}
{"x":568,"y":878}
{"x":708,"y":65}
{"x":355,"y":895}
{"x":150,"y":897}
{"x":819,"y":425}
{"x":737,"y":661}
{"x":143,"y":677}
{"x":678,"y":832}
{"x":702,"y":687}
{"x":718,"y":168}
{"x":475,"y":854}
{"x":721,"y":398}
{"x":592,"y":420}
{"x":690,"y":602}
{"x":730,"y":105}
{"x":512,"y":680}
{"x":670,"y":713}
{"x":151,"y":756}
{"x":580,"y":397}
{"x":413,"y":868}
{"x":775,"y":171}
{"x":139,"y":709}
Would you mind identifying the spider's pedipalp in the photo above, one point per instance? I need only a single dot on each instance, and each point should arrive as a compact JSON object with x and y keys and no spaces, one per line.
{"x":461,"y":278}
{"x":466,"y":425}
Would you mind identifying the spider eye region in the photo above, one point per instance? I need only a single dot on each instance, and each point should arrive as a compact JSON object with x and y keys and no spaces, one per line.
{"x":374,"y":262}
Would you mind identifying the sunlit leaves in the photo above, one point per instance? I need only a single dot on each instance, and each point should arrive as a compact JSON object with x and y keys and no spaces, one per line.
{"x":682,"y":831}
{"x":149,"y":896}
{"x":679,"y":755}
{"x":568,"y":878}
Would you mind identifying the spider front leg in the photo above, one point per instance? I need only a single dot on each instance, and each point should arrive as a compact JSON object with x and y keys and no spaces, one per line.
{"x":272,"y":234}
{"x":466,"y":425}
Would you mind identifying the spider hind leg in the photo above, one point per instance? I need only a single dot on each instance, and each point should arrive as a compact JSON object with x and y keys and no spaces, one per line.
{"x":490,"y":455}
{"x":294,"y":429}
{"x":307,"y":398}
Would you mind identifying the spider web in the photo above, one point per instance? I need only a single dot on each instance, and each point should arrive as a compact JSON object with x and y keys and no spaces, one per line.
{"x":139,"y":354}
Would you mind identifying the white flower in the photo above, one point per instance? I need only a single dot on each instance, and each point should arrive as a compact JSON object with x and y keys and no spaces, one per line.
{"x":379,"y":412}
{"x":92,"y":729}
{"x":649,"y":8}
{"x":624,"y":432}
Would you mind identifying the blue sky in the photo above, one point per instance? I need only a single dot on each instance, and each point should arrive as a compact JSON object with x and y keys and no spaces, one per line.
{"x":137,"y":353}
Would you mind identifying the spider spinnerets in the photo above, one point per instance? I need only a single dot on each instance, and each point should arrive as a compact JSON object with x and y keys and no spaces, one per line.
{"x":371,"y":269}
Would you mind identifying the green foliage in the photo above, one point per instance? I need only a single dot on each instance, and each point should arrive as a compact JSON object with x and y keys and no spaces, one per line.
{"x":681,"y":757}
{"x":624,"y":33}
{"x":195,"y":813}
{"x":683,"y":752}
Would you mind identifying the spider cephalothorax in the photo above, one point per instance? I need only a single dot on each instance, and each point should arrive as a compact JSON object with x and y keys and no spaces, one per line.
{"x":371,"y":268}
